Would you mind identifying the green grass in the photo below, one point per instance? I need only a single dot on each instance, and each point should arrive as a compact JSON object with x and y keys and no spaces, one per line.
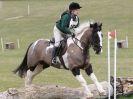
{"x":114,"y":14}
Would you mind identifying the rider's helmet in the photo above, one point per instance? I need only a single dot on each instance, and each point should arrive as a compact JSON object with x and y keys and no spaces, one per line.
{"x":74,"y":6}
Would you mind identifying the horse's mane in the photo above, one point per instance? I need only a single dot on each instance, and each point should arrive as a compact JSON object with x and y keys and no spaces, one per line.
{"x":82,"y":26}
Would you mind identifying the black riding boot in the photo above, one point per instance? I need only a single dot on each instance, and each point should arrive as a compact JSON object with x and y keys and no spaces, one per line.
{"x":54,"y":54}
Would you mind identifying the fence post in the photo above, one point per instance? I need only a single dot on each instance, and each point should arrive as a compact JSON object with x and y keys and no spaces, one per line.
{"x":2,"y":45}
{"x":18,"y":43}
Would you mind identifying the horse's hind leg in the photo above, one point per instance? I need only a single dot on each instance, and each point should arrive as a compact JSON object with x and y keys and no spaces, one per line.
{"x":80,"y":78}
{"x":31,"y":73}
{"x":90,"y":73}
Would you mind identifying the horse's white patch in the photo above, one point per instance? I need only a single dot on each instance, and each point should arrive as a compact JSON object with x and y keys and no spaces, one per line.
{"x":28,"y":78}
{"x":69,"y":41}
{"x":58,"y":60}
{"x":83,"y":82}
{"x":31,"y":74}
{"x":65,"y":58}
{"x":34,"y":44}
{"x":49,"y":47}
{"x":94,"y":79}
{"x":100,"y":37}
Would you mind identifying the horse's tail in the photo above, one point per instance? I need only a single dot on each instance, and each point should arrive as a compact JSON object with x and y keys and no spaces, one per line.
{"x":22,"y":68}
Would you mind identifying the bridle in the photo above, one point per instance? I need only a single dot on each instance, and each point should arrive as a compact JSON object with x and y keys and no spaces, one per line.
{"x":92,"y":43}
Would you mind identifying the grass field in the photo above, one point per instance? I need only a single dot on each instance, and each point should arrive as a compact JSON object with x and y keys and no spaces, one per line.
{"x":114,"y":14}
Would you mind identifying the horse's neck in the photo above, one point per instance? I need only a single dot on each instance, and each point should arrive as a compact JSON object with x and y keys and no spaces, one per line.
{"x":79,"y":35}
{"x":85,"y":36}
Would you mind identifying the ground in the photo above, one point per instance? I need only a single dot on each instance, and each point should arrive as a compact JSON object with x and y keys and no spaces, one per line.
{"x":39,"y":24}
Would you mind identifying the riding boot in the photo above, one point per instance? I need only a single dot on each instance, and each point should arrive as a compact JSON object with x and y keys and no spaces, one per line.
{"x":54,"y":55}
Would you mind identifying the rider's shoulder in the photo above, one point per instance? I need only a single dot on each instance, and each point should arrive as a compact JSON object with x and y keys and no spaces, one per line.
{"x":66,"y":14}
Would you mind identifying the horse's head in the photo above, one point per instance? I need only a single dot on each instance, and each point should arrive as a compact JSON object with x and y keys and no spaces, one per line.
{"x":97,"y":37}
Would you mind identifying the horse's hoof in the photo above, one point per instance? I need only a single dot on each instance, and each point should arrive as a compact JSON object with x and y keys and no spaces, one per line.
{"x":103,"y":93}
{"x":90,"y":96}
{"x":28,"y":85}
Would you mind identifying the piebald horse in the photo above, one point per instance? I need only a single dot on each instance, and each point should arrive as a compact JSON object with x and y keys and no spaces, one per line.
{"x":76,"y":56}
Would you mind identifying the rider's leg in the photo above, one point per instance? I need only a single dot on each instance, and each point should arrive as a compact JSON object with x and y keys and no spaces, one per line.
{"x":54,"y":54}
{"x":58,"y":37}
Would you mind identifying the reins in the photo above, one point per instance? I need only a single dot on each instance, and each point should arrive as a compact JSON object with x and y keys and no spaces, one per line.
{"x":80,"y":43}
{"x":76,"y":43}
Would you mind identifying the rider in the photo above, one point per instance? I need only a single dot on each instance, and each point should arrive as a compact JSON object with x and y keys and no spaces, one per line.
{"x":68,"y":21}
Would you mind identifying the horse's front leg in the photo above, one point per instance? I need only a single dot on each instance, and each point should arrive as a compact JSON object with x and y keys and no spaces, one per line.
{"x":90,"y":73}
{"x":79,"y":77}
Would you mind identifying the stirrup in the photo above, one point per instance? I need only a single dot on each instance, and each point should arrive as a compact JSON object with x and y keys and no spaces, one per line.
{"x":54,"y":61}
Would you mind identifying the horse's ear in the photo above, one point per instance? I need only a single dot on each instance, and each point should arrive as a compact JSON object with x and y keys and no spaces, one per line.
{"x":95,"y":25}
{"x":91,"y":25}
{"x":100,"y":24}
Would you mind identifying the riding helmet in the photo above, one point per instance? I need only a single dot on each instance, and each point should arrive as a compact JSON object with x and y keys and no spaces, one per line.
{"x":74,"y":6}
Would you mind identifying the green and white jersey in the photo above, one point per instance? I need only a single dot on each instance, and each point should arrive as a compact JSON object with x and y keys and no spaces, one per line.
{"x":74,"y":22}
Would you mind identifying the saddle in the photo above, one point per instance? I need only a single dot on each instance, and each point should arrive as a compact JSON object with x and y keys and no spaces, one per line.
{"x":62,"y":47}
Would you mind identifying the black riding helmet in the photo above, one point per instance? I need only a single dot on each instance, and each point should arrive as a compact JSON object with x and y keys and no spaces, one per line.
{"x":74,"y":6}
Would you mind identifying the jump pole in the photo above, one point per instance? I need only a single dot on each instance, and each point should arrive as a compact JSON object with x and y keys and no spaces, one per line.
{"x":112,"y":35}
{"x":115,"y":61}
{"x":108,"y":65}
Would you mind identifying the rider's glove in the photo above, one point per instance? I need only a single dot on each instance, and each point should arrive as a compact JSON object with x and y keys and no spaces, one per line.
{"x":73,"y":35}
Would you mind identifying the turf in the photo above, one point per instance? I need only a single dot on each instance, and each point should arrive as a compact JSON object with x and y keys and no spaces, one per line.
{"x":114,"y":14}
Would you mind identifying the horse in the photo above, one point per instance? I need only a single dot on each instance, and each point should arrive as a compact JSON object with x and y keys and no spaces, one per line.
{"x":75,"y":56}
